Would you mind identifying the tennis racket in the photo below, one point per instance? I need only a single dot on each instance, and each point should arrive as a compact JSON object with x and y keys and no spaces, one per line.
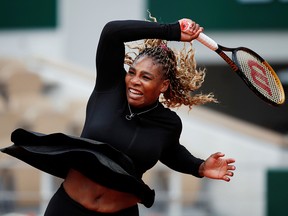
{"x":252,"y":68}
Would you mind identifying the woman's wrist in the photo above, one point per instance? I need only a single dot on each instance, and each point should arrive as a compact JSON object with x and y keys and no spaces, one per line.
{"x":201,"y":169}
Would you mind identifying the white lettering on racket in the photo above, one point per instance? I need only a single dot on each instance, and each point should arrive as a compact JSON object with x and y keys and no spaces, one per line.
{"x":260,"y":78}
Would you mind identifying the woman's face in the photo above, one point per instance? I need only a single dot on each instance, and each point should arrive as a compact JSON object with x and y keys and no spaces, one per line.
{"x":144,"y":82}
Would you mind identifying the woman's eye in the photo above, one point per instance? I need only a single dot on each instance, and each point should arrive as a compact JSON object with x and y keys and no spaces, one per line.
{"x":131,"y":72}
{"x":146,"y":78}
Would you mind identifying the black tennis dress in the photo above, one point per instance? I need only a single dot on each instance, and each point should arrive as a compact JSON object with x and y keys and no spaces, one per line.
{"x":114,"y":150}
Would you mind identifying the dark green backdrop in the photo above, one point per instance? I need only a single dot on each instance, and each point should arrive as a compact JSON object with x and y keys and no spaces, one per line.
{"x":277,"y":192}
{"x":224,"y":14}
{"x":25,"y":14}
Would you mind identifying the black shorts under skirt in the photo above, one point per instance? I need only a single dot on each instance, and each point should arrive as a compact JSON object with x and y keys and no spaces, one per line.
{"x":62,"y":205}
{"x":57,"y":153}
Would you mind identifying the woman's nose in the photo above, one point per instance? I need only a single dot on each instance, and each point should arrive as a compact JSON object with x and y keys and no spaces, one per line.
{"x":135,"y":80}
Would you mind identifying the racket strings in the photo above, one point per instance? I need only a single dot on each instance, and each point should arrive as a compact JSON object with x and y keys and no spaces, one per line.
{"x":260,"y":75}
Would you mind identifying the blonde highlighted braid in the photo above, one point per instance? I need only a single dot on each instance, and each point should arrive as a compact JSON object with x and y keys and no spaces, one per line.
{"x":179,"y":67}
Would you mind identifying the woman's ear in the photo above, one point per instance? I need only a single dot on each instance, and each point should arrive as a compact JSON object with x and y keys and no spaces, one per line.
{"x":165,"y":85}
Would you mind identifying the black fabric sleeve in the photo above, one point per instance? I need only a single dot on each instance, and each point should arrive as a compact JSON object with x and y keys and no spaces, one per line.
{"x":178,"y":158}
{"x":111,"y":49}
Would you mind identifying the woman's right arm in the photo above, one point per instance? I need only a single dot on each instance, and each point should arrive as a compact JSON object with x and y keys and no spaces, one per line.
{"x":111,"y":49}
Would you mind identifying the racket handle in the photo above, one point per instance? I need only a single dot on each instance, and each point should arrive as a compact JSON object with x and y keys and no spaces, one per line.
{"x":207,"y":41}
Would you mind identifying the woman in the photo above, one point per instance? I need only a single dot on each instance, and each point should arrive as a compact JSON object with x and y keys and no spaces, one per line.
{"x":127,"y":129}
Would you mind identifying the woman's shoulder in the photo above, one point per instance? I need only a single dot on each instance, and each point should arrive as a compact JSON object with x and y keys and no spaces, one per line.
{"x":168,"y":116}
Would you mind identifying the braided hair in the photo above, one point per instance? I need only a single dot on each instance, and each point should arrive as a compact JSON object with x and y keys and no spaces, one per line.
{"x":179,"y":67}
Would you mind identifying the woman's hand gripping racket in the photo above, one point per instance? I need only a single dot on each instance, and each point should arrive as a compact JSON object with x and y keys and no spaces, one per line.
{"x":252,"y":68}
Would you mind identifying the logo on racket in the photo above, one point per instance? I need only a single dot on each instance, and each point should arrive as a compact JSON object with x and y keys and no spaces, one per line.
{"x":259,"y":76}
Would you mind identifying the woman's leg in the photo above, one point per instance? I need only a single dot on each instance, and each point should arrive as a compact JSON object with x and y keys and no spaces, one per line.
{"x":62,"y":205}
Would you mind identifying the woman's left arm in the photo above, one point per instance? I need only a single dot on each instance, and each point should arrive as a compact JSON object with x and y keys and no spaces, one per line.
{"x":178,"y":158}
{"x":215,"y":166}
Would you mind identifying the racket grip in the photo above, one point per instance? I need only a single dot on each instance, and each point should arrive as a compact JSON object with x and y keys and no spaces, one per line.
{"x":207,"y":41}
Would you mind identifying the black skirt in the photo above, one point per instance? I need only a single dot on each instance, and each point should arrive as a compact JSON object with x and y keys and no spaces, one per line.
{"x":57,"y":153}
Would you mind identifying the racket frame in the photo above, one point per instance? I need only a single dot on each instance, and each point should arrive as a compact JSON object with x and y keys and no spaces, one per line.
{"x":234,"y":64}
{"x":248,"y":83}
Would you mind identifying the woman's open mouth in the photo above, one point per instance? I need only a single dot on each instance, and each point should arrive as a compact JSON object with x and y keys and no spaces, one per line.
{"x":134,"y":93}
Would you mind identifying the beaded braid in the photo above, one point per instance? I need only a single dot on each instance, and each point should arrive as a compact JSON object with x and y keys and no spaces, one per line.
{"x":178,"y":67}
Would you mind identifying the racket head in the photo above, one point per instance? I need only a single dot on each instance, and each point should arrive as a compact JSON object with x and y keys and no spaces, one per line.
{"x":259,"y":75}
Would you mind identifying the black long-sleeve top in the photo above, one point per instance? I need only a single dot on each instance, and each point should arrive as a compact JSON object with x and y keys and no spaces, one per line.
{"x":147,"y":137}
